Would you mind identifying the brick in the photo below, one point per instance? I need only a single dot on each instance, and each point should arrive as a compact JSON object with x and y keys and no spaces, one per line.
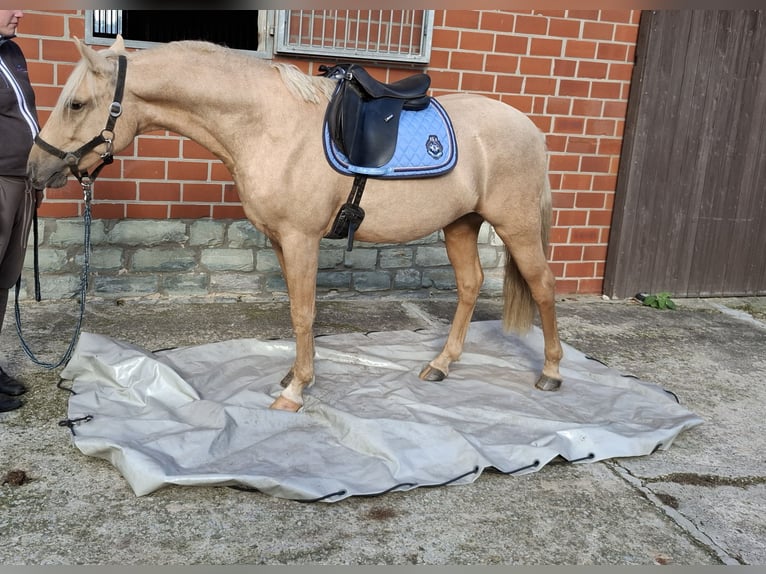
{"x":511,"y":44}
{"x":558,"y":106}
{"x":513,"y":85}
{"x":466,"y":61}
{"x":143,"y":169}
{"x":620,"y":16}
{"x":587,"y":69}
{"x":620,"y":72}
{"x":562,"y":200}
{"x":44,"y":24}
{"x":569,"y":218}
{"x":219,"y":172}
{"x":597,"y":31}
{"x":595,"y":164}
{"x":580,"y":49}
{"x":498,"y":21}
{"x":545,"y":86}
{"x":600,"y":218}
{"x":564,"y":68}
{"x":159,"y":191}
{"x":577,"y":181}
{"x":581,"y":145}
{"x":477,"y":82}
{"x":564,"y":28}
{"x":546,"y":47}
{"x":158,"y":147}
{"x":535,"y":66}
{"x":575,"y":88}
{"x":502,"y":63}
{"x":589,"y":200}
{"x":188,"y":170}
{"x":108,"y":211}
{"x":584,"y":235}
{"x":568,"y":125}
{"x":606,"y":90}
{"x":445,"y":39}
{"x":60,"y":51}
{"x":531,"y":25}
{"x":202,"y":192}
{"x":146,"y":211}
{"x":600,"y":127}
{"x":477,"y":41}
{"x":116,"y":190}
{"x":611,"y":51}
{"x":468,"y":19}
{"x":567,"y":252}
{"x":189,"y":211}
{"x":587,"y":107}
{"x":582,"y":269}
{"x":615,"y":109}
{"x":228,"y":212}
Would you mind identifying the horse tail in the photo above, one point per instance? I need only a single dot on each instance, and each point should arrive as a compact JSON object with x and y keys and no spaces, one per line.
{"x":518,"y":304}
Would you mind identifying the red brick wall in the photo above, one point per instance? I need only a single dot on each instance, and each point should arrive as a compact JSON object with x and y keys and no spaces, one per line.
{"x":570,"y":70}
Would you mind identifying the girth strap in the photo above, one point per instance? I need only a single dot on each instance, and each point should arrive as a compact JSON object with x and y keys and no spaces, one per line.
{"x":350,"y":216}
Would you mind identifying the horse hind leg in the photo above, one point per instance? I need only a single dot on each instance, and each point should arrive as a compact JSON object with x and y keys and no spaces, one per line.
{"x":461,"y":239}
{"x":529,"y":281}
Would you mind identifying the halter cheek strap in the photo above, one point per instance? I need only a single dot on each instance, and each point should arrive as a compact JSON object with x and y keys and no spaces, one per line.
{"x":72,"y":158}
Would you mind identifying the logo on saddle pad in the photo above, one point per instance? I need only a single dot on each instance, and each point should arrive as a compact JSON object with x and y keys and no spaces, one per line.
{"x":434,"y":147}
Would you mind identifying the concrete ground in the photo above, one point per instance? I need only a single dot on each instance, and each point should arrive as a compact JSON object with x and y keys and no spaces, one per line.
{"x":701,"y":502}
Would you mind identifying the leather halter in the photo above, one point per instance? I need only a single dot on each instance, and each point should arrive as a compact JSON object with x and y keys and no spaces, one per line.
{"x":72,"y":158}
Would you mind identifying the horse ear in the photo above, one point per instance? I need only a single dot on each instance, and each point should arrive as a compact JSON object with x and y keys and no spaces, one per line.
{"x":96,"y":62}
{"x":118,"y":45}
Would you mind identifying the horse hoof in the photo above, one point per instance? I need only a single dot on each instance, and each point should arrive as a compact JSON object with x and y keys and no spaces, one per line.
{"x":432,"y":374}
{"x":546,"y":383}
{"x":283,"y":404}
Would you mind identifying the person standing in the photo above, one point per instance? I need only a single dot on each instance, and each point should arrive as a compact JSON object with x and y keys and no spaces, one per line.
{"x":18,"y":127}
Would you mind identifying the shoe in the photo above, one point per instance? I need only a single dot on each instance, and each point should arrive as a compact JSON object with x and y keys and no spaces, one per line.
{"x":9,"y":404}
{"x":10,"y":386}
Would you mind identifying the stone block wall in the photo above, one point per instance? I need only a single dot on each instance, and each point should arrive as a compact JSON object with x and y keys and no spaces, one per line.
{"x":230,"y":259}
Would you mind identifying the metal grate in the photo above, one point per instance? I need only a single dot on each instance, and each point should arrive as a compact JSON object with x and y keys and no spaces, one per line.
{"x":107,"y":23}
{"x":390,"y":35}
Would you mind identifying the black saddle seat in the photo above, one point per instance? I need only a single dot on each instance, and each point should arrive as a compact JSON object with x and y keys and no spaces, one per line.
{"x":409,"y":88}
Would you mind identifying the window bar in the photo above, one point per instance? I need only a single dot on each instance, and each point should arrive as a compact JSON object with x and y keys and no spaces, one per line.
{"x":356,"y":37}
{"x":411,"y":18}
{"x":335,"y":30}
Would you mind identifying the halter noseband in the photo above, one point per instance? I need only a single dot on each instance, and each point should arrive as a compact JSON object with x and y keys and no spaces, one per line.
{"x":72,"y":158}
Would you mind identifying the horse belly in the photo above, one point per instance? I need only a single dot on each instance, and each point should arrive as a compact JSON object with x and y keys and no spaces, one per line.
{"x":405,"y":210}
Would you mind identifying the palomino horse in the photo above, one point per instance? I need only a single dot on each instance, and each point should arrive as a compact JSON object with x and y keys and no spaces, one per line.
{"x":264,"y":122}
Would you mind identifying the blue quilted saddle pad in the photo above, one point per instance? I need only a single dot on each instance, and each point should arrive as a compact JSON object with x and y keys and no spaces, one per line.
{"x":425,"y":147}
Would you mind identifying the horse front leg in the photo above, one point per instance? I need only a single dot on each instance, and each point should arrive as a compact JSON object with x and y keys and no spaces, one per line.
{"x":461,"y":239}
{"x":299,"y":258}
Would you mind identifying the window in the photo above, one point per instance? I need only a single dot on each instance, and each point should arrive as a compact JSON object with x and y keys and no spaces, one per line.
{"x":378,"y":35}
{"x":390,"y":35}
{"x":239,"y":29}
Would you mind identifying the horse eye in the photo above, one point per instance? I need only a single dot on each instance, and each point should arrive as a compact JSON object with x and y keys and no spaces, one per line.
{"x":76,"y":106}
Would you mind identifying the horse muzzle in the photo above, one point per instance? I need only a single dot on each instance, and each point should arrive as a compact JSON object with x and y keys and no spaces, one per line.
{"x":46,"y":171}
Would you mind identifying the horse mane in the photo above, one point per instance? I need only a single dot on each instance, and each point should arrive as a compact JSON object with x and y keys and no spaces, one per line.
{"x":307,"y":88}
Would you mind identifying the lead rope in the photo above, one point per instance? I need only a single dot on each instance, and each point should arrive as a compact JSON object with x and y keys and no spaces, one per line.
{"x":87,"y":186}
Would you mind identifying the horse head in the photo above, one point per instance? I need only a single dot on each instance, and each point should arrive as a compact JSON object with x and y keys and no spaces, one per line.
{"x":74,"y":138}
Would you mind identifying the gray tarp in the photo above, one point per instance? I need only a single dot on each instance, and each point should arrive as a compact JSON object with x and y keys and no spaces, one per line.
{"x":198,"y":415}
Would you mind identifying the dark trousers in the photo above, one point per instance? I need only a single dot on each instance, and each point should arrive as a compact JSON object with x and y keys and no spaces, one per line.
{"x":17,"y":204}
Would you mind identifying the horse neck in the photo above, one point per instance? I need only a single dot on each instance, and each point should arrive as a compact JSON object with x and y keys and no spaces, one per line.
{"x":201,"y":94}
